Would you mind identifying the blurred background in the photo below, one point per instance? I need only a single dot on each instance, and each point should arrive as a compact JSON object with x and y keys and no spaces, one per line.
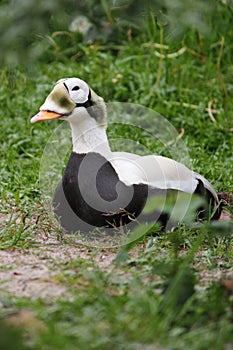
{"x":58,"y":29}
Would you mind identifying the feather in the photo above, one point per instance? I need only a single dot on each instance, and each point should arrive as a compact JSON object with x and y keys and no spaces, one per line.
{"x":154,"y":171}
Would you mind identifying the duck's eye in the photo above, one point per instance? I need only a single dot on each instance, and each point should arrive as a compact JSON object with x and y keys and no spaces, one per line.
{"x":75,"y":88}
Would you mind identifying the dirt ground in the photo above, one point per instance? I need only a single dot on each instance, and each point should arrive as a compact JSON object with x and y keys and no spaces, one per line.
{"x":30,"y":272}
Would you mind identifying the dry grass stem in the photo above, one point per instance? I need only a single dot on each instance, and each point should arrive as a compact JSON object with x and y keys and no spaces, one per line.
{"x":171,"y":55}
{"x":177,"y":138}
{"x":190,"y":105}
{"x":209,"y":110}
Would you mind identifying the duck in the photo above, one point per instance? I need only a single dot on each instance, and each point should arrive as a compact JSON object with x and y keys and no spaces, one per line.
{"x":110,"y":190}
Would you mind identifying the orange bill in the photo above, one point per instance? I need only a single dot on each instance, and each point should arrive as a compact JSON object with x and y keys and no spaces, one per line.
{"x":45,"y":115}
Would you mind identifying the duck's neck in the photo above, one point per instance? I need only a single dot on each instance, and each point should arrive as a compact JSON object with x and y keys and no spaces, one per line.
{"x":89,"y":136}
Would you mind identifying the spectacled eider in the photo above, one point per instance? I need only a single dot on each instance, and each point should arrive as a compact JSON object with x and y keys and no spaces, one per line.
{"x":101,"y":188}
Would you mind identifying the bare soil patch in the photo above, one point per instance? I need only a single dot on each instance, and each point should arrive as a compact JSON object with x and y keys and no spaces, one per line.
{"x":30,"y":273}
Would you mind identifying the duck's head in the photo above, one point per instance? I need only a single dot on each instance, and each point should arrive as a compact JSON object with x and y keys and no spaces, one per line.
{"x":72,"y":99}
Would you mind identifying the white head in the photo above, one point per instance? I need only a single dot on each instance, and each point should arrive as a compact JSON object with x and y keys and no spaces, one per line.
{"x":72,"y":99}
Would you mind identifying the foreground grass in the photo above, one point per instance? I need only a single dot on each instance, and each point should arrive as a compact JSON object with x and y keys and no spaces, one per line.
{"x":171,"y":291}
{"x":165,"y":292}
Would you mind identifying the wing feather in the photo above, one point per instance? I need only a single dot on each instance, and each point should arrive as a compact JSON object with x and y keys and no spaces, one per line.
{"x":155,"y":171}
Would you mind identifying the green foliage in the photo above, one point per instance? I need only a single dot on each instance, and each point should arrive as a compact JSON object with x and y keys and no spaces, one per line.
{"x":11,"y":337}
{"x":61,"y":29}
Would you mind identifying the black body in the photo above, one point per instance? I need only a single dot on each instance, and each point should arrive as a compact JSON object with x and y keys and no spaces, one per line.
{"x":91,"y":195}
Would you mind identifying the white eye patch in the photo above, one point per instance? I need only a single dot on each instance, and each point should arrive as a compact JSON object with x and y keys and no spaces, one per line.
{"x":77,"y":89}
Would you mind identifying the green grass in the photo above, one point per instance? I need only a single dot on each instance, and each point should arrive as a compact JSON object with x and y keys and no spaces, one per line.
{"x":166,"y":291}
